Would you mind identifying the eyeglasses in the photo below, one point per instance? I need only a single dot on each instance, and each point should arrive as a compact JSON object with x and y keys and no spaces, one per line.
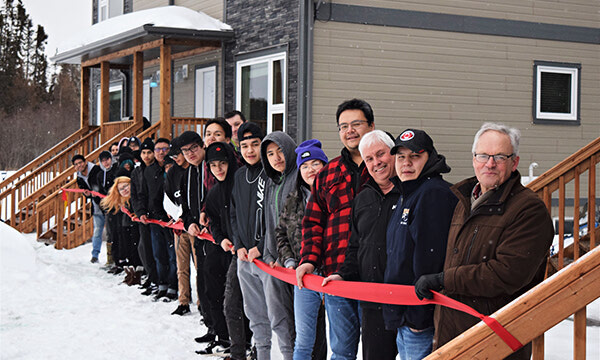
{"x":162,"y":149}
{"x":191,"y":149}
{"x":498,"y":158}
{"x":354,"y":124}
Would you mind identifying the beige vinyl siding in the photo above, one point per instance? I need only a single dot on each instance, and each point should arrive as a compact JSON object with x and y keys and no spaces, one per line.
{"x":148,"y":4}
{"x":564,"y":12}
{"x":448,"y":84}
{"x":212,"y":8}
{"x":183,"y":92}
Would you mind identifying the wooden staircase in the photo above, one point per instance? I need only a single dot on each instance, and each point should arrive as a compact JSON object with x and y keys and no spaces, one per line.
{"x":573,"y":273}
{"x":65,"y":219}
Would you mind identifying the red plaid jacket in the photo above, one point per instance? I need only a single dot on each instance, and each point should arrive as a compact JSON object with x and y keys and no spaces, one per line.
{"x":326,"y":222}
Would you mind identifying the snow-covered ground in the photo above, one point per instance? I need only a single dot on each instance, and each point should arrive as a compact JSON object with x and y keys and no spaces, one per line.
{"x":55,"y":304}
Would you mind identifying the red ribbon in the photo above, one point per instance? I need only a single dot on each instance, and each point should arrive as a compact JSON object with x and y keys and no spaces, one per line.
{"x":363,"y":291}
{"x":385,"y":293}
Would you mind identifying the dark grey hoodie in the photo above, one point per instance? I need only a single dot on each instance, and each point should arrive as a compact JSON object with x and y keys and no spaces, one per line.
{"x":277,"y":188}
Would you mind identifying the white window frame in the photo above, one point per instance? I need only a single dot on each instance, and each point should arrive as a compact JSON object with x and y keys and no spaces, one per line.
{"x":111,"y":88}
{"x":199,"y":109}
{"x":571,"y":70}
{"x":106,"y":5}
{"x":272,"y":109}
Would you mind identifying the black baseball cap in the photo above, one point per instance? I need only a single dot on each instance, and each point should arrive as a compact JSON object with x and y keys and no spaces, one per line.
{"x":416,"y":140}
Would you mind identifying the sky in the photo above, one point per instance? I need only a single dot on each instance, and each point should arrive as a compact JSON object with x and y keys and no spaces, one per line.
{"x":60,"y":19}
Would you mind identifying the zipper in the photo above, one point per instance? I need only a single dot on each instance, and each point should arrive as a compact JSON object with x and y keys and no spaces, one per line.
{"x":472,"y":242}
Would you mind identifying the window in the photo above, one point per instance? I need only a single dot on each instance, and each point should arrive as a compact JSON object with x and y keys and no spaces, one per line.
{"x":206,"y":88}
{"x":109,"y":8}
{"x":261,"y":90}
{"x":115,"y":103}
{"x":557,"y":87}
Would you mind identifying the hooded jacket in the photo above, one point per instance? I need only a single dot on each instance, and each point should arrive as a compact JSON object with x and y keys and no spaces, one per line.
{"x":496,"y":252}
{"x":278,"y":186}
{"x":366,"y":253}
{"x":288,"y":232}
{"x":247,"y":206}
{"x":416,"y":238}
{"x":219,"y":198}
{"x":152,"y":193}
{"x":88,"y":182}
{"x":106,"y":177}
{"x":192,"y":195}
{"x":137,"y":175}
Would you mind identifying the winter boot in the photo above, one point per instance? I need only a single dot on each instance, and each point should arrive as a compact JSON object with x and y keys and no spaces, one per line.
{"x":128,"y":274}
{"x":181,"y":310}
{"x":136,"y":277}
{"x":109,"y":258}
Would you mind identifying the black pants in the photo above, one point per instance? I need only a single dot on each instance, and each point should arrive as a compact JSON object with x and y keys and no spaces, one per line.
{"x":112,"y":231}
{"x":233,"y":307}
{"x":129,"y":237}
{"x":215,"y":266}
{"x":204,"y":302}
{"x":145,"y":253}
{"x":377,"y":342}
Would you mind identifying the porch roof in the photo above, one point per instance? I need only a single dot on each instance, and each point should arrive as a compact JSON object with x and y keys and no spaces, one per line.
{"x":125,"y":31}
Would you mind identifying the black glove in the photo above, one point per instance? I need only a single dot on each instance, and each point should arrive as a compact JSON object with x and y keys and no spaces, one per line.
{"x":426,"y":283}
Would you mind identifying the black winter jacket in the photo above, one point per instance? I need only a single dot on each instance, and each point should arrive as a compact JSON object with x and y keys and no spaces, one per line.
{"x":137,"y":175}
{"x":246,"y":209}
{"x":417,"y":235}
{"x":106,"y":177}
{"x":152,"y":193}
{"x":366,"y":253}
{"x":173,"y":183}
{"x":192,"y":195}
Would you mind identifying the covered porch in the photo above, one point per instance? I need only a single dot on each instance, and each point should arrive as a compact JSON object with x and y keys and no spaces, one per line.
{"x":134,"y":42}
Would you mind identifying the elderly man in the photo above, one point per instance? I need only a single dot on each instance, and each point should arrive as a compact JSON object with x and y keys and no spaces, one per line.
{"x":371,"y":212}
{"x":498,"y":240}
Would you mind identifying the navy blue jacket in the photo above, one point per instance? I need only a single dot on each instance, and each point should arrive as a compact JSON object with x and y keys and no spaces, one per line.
{"x":416,"y":240}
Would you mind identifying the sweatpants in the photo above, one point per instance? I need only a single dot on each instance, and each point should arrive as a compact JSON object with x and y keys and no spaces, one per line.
{"x":268,"y":303}
{"x":233,"y":307}
{"x":203,"y":302}
{"x":184,"y":248}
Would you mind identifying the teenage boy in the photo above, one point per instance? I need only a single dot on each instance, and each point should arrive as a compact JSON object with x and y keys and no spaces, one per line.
{"x":326,"y":223}
{"x":151,"y":197}
{"x":247,"y":225}
{"x":184,"y":242}
{"x":193,"y":194}
{"x":86,"y":174}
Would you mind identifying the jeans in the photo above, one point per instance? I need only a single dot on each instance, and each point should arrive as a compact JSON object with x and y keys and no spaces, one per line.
{"x":344,"y":326}
{"x":414,"y":345}
{"x":97,"y":236}
{"x":306,"y":308}
{"x":162,"y":256}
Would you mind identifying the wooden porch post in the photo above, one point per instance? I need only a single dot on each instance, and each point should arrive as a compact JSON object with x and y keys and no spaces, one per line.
{"x":104,"y":99}
{"x":138,"y":86}
{"x":85,"y":98}
{"x":165,"y":91}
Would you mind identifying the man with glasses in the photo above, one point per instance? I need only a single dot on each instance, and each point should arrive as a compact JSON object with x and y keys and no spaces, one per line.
{"x":151,"y":196}
{"x":326,"y":222}
{"x":498,"y":240}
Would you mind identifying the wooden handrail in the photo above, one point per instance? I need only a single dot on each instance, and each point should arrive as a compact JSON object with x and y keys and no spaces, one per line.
{"x":48,"y":154}
{"x":36,"y":179}
{"x":28,"y":204}
{"x":181,"y":124}
{"x":532,"y":313}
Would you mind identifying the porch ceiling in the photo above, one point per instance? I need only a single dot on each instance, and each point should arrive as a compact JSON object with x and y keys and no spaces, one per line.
{"x":183,"y":28}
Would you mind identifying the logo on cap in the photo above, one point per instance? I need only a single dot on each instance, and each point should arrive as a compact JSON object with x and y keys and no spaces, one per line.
{"x":407,"y":135}
{"x":218,"y":148}
{"x":305,"y":154}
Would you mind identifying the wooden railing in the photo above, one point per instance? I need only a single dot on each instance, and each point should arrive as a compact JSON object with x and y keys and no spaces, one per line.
{"x":111,"y":129}
{"x":533,"y":313}
{"x":565,"y":293}
{"x":76,"y":226}
{"x":49,"y":154}
{"x":38,"y":178}
{"x":27,"y":206}
{"x":76,"y":213}
{"x":181,"y":124}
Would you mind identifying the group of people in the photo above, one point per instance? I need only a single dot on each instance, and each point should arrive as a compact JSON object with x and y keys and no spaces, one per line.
{"x":380,"y":212}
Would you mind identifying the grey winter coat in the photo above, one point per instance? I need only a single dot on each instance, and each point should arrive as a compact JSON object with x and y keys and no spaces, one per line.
{"x":277,"y":188}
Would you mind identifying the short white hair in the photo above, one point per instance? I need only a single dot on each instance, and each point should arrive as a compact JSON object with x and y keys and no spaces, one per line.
{"x":372,"y":137}
{"x":513,"y":134}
